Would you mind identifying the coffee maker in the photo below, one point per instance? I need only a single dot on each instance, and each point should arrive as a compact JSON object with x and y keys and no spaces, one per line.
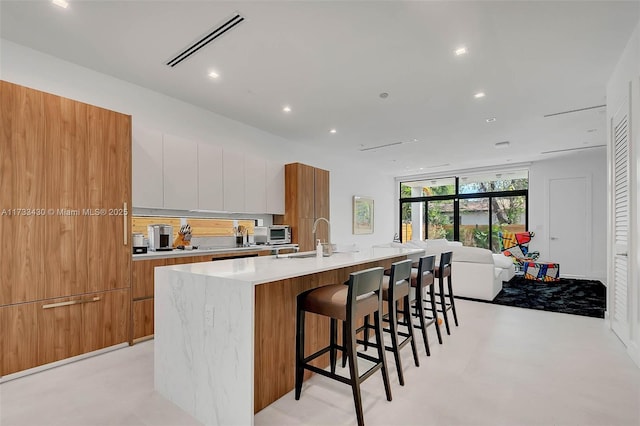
{"x":160,"y":237}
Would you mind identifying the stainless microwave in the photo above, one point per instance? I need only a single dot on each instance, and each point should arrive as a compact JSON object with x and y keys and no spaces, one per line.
{"x":279,"y":234}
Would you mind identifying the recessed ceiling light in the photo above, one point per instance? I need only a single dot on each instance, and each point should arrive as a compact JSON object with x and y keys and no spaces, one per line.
{"x":504,"y":144}
{"x":479,"y":95}
{"x":62,"y":3}
{"x":461,"y":51}
{"x":491,"y":120}
{"x":384,"y":95}
{"x":333,"y":131}
{"x":213,"y":74}
{"x":286,"y":109}
{"x":415,"y":140}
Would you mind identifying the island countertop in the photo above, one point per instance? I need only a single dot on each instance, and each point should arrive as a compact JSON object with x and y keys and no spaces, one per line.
{"x":225,"y":330}
{"x":263,"y":269}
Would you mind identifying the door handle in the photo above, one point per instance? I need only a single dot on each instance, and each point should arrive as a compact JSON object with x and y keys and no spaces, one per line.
{"x":621,"y":254}
{"x":554,"y":238}
{"x":124,"y":217}
{"x":71,"y":302}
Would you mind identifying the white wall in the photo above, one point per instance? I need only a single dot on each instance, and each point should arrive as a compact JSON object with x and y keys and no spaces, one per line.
{"x":591,"y":164}
{"x":625,"y":82}
{"x":27,"y":67}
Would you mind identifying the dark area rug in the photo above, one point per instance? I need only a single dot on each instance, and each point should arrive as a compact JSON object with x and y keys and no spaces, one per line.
{"x":569,"y":296}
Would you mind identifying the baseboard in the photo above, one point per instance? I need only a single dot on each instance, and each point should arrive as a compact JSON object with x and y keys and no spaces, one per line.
{"x":62,"y":362}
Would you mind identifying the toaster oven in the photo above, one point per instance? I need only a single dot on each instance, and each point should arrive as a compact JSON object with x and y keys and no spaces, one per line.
{"x":279,"y":234}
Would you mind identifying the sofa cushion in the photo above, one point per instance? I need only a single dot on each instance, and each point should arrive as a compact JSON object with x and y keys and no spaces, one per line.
{"x":472,"y":255}
{"x":502,"y":261}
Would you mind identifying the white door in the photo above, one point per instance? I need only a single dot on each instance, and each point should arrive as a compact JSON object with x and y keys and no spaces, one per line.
{"x":569,"y":225}
{"x":618,"y":295}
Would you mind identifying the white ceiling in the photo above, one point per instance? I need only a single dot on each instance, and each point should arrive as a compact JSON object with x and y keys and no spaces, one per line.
{"x":330,"y":61}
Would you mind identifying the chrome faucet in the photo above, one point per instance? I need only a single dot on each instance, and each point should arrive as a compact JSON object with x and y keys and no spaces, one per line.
{"x":315,"y":226}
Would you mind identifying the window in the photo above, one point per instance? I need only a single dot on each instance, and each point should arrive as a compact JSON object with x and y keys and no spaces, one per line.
{"x":472,"y":209}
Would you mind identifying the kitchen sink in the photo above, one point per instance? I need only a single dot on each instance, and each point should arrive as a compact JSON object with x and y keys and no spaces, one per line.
{"x":299,"y":255}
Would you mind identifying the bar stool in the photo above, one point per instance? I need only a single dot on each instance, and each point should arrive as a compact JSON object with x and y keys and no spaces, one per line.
{"x":395,"y":287}
{"x":361,"y":297}
{"x":422,"y":280}
{"x":441,"y":272}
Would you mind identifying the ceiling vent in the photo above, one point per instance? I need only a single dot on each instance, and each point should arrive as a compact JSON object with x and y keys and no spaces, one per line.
{"x":212,"y":35}
{"x":572,"y":149}
{"x":381,"y":146}
{"x":574,"y":110}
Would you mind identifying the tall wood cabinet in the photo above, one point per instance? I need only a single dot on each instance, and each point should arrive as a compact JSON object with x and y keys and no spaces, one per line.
{"x":65,"y":191}
{"x":306,"y":199}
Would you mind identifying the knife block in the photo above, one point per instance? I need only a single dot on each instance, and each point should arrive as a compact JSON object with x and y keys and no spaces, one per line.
{"x":181,"y":241}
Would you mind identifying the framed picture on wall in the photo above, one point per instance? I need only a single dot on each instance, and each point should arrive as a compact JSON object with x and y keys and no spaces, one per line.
{"x":362,"y":215}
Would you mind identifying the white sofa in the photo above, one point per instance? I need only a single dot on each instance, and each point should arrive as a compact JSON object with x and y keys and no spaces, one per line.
{"x":476,"y":272}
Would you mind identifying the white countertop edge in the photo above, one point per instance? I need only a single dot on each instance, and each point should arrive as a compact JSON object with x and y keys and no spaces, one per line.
{"x":264,"y":269}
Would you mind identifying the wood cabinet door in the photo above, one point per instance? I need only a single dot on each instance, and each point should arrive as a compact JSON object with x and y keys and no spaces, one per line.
{"x":66,"y":194}
{"x":109,"y":192}
{"x":142,"y":318}
{"x":304,"y":235}
{"x":305,"y":191}
{"x":105,"y":322}
{"x":18,"y":338}
{"x":321,"y":203}
{"x":22,"y":179}
{"x":143,"y":277}
{"x":321,"y":193}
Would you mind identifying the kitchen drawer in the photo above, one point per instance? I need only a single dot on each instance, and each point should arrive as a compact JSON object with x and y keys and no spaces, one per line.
{"x":72,"y":326}
{"x":50,"y":330}
{"x":142,"y":277}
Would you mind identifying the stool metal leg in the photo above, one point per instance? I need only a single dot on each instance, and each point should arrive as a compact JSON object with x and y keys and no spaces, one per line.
{"x":333,"y":333}
{"x":299,"y":349}
{"x":344,"y":351}
{"x":434,"y":310}
{"x":393,"y":328}
{"x":420,"y":313}
{"x":407,"y":319}
{"x":353,"y":369}
{"x":381,"y":353}
{"x":443,"y":304}
{"x":452,"y":301}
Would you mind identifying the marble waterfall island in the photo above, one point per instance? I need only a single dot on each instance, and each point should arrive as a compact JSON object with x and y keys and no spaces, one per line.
{"x":225,"y":330}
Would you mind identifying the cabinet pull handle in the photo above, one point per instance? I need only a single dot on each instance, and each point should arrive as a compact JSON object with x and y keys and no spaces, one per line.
{"x":70,"y":302}
{"x":124,"y":217}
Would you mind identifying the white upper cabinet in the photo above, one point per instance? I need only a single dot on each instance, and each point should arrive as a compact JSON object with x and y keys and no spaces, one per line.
{"x":180,"y":175}
{"x":171,"y":172}
{"x":210,"y":178}
{"x":147,"y":185}
{"x":255,"y":196}
{"x":233,"y":172}
{"x":275,"y":187}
